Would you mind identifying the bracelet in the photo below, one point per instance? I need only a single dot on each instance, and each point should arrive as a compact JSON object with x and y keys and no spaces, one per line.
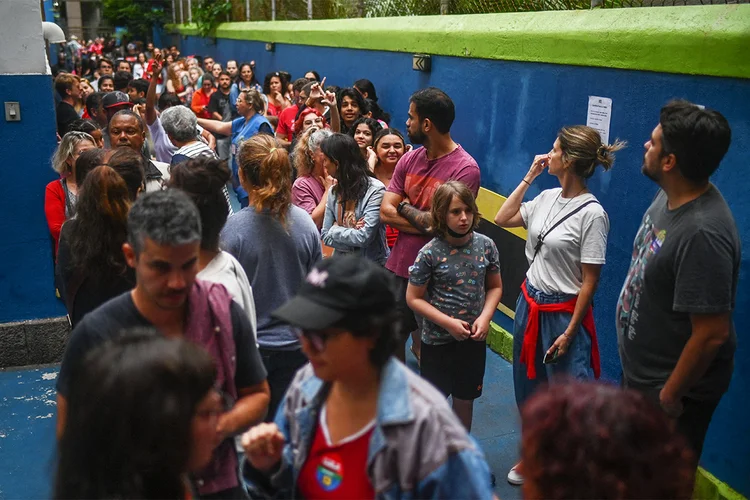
{"x":527,"y":182}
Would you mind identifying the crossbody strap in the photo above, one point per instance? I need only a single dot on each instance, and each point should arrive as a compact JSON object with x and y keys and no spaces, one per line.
{"x":567,"y":216}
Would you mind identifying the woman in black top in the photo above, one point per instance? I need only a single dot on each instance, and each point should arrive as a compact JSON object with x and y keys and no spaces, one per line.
{"x":91,"y":267}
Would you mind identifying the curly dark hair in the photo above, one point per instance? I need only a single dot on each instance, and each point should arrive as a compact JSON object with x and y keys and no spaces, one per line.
{"x":589,"y":440}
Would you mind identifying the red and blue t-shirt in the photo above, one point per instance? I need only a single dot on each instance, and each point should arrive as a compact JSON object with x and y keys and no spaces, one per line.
{"x":337,"y":471}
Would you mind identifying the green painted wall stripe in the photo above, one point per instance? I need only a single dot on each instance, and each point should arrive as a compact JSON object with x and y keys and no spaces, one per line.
{"x":703,"y":40}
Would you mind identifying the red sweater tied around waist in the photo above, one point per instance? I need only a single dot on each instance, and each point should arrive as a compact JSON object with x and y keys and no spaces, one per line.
{"x":531,"y":334}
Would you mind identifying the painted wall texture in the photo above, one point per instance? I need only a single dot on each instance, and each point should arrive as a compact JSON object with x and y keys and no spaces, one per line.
{"x":26,"y":270}
{"x":509,"y":111}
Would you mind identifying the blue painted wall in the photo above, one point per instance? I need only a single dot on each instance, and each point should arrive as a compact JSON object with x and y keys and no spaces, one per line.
{"x":506,"y":112}
{"x":26,"y":270}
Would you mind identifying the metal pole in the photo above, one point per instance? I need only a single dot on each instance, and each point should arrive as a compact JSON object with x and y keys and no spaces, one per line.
{"x":174,"y":13}
{"x":247,"y":10}
{"x":182,"y":17}
{"x":273,"y":10}
{"x":190,"y":11}
{"x":444,"y":7}
{"x":361,"y":8}
{"x":309,"y":9}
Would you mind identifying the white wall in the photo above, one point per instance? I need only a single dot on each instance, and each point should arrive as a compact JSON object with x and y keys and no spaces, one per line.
{"x":21,"y":37}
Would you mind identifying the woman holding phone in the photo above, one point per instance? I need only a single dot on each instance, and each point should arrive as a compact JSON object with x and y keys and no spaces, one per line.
{"x":554,"y":332}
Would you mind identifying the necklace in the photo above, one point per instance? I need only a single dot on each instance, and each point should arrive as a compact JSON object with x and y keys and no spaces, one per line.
{"x":545,"y":227}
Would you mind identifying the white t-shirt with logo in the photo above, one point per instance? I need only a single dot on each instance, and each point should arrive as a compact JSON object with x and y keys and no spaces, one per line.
{"x":581,"y":239}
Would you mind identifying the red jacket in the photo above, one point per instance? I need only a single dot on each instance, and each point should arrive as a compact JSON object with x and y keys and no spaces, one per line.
{"x":199,"y":104}
{"x":54,"y":209}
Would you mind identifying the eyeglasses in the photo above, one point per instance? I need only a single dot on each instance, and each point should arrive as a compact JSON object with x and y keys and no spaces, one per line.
{"x":317,"y":338}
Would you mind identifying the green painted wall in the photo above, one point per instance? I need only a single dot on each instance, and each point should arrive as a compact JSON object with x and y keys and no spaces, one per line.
{"x":703,"y":40}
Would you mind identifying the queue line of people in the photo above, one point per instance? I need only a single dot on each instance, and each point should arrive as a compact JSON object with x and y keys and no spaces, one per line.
{"x":381,"y":205}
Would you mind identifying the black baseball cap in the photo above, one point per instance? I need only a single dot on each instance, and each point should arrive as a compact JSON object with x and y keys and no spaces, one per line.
{"x":339,"y":288}
{"x":116,"y":99}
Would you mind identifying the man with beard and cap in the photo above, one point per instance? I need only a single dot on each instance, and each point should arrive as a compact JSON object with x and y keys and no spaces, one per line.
{"x":418,"y":174}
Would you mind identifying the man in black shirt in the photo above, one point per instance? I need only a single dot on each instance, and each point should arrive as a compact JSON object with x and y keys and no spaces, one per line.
{"x":674,"y":316}
{"x":222,"y":109}
{"x":69,"y":88}
{"x":163,"y":247}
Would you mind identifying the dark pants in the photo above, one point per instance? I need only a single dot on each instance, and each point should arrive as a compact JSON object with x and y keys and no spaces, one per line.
{"x":281,"y":367}
{"x":694,"y":421}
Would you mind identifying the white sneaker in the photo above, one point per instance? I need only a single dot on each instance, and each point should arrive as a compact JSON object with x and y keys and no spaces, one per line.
{"x":514,"y":477}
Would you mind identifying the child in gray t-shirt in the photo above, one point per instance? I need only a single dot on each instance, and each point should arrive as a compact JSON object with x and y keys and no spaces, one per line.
{"x":455,"y":286}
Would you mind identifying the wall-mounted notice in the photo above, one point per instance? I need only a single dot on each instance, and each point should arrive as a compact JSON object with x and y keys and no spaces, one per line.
{"x":599,"y":116}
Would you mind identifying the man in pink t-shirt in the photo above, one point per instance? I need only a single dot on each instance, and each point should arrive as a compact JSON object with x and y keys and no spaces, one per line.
{"x":406,"y":205}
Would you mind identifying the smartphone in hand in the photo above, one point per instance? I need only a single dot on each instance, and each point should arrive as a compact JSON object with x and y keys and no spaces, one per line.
{"x":551,"y":358}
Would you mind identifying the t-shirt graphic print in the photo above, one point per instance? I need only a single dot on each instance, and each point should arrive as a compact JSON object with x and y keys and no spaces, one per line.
{"x":648,"y":242}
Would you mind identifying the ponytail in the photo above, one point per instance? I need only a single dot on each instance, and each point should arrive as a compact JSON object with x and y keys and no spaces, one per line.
{"x":267,"y":174}
{"x":582,"y":147}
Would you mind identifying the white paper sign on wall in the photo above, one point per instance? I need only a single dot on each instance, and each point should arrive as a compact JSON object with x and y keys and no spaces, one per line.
{"x":599,"y":115}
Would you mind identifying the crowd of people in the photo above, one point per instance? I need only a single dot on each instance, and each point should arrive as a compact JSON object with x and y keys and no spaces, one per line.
{"x":242,"y":265}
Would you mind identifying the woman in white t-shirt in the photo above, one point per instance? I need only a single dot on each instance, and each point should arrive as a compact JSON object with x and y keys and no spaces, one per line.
{"x":203,"y":179}
{"x":554,"y":332}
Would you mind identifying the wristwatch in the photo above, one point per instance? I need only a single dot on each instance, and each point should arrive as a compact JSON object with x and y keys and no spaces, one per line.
{"x":400,"y":207}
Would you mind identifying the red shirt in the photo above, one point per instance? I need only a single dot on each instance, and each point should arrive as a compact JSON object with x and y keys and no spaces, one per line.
{"x":54,"y":209}
{"x":391,"y":235}
{"x":286,"y":122}
{"x":149,"y":69}
{"x":199,"y":104}
{"x":337,"y":471}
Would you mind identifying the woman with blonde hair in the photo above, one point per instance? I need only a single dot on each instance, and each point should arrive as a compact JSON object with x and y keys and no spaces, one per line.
{"x":178,"y":81}
{"x":277,"y":244}
{"x":554,"y":333}
{"x":310,"y":188}
{"x":61,"y":194}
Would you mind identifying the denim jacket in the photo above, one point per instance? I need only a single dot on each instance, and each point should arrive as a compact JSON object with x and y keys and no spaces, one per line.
{"x":368,"y":241}
{"x":418,"y":448}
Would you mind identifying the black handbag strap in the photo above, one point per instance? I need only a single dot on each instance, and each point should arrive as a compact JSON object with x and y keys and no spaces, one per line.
{"x":567,"y":216}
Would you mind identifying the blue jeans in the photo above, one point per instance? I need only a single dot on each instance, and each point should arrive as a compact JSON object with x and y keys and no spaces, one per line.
{"x":575,"y":363}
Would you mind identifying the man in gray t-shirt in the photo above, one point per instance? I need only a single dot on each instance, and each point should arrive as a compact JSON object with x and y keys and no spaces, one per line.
{"x":674,"y":315}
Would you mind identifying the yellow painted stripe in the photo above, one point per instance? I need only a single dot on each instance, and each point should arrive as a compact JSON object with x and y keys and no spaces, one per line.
{"x":489,"y":202}
{"x":506,"y":310}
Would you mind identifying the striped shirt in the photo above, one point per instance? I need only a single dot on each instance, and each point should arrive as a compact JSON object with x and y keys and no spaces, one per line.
{"x":194,"y":150}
